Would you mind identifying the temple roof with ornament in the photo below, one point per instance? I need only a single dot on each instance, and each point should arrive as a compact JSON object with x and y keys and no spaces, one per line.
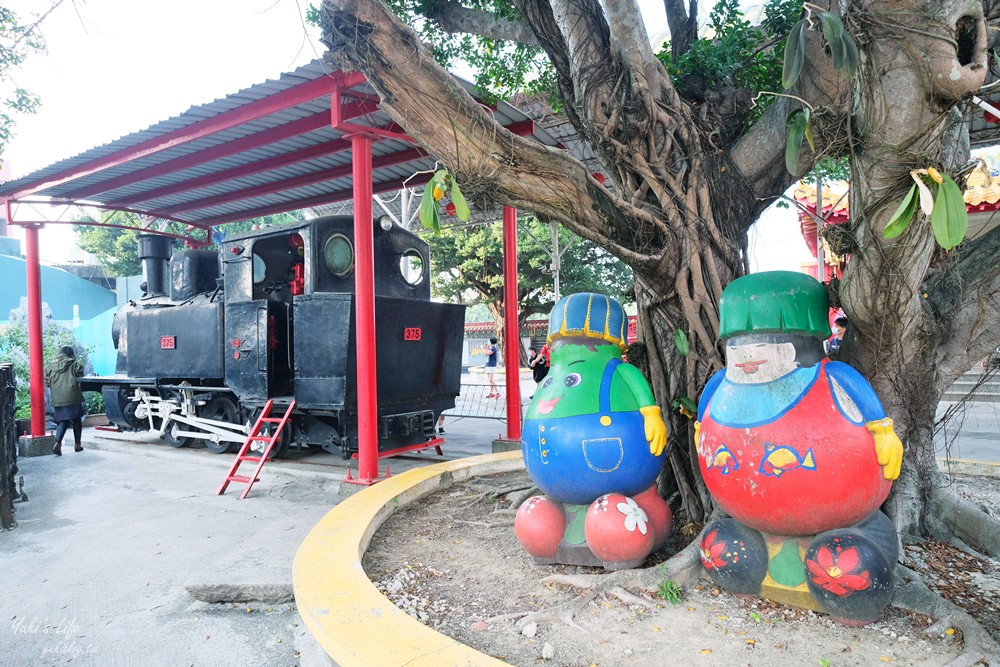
{"x":982,"y":192}
{"x":982,"y":200}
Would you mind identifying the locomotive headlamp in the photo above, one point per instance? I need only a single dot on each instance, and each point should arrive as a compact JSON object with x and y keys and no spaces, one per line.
{"x":385,"y":222}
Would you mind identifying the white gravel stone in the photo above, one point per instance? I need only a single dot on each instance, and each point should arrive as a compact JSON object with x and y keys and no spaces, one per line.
{"x":530,"y":630}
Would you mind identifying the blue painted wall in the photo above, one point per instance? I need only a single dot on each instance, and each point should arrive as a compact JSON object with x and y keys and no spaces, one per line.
{"x":70,"y":299}
{"x":60,"y":289}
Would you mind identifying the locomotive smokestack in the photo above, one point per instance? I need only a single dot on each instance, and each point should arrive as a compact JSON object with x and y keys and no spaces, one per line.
{"x":154,"y":251}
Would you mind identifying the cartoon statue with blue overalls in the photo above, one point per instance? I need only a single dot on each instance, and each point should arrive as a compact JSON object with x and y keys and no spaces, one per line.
{"x":798,"y":450}
{"x":593,"y":442}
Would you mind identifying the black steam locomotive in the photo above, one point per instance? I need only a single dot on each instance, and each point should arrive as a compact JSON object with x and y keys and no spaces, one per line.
{"x":199,"y":355}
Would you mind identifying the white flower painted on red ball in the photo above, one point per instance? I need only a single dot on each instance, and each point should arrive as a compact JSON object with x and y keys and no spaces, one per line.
{"x":602,"y":504}
{"x":634,"y":516}
{"x":532,"y":502}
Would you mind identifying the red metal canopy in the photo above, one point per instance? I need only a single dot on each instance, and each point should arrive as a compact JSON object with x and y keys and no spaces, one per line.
{"x":277,"y":146}
{"x":314,"y":136}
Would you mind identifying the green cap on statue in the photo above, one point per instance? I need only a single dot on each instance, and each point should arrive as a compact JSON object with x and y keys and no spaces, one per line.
{"x":774,"y":302}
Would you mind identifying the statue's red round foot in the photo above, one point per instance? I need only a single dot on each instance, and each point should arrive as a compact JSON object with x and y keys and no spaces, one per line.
{"x":539,"y":526}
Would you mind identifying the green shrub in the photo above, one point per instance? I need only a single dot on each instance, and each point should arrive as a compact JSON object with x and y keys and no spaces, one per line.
{"x":14,"y":349}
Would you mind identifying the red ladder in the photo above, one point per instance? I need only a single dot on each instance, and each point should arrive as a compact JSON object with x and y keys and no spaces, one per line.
{"x":255,"y":436}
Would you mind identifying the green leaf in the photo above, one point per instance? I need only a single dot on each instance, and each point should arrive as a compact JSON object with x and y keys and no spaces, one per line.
{"x":901,"y":219}
{"x":436,"y":220}
{"x":796,"y":124}
{"x":458,"y":199}
{"x":681,"y":340}
{"x":949,"y":219}
{"x":795,"y":55}
{"x":428,"y":208}
{"x":851,"y":57}
{"x":809,"y":132}
{"x":683,"y":401}
{"x":833,"y":30}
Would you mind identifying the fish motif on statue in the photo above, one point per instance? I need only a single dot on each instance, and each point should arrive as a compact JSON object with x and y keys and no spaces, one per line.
{"x":780,"y":459}
{"x":723,"y":460}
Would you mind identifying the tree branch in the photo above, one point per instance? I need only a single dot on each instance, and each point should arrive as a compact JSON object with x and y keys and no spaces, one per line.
{"x":759,"y":155}
{"x":585,"y":33}
{"x":492,"y":165}
{"x":630,"y":39}
{"x":683,"y":25}
{"x":540,"y":18}
{"x":454,"y":18}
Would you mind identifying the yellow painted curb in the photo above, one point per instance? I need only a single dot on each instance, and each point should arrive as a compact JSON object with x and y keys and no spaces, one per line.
{"x":353,"y":622}
{"x":969,"y":467}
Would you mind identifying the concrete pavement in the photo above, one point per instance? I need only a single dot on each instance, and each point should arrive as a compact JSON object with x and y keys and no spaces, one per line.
{"x":970,"y":440}
{"x":95,"y":572}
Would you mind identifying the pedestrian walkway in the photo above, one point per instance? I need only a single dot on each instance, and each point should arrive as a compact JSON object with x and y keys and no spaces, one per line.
{"x":971,"y":436}
{"x":95,"y":572}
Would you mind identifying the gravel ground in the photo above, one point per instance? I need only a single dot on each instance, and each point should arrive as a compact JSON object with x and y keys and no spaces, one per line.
{"x":451,"y":561}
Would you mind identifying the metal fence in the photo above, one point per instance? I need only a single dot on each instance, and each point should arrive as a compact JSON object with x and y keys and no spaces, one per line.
{"x":475,"y":402}
{"x":8,"y":445}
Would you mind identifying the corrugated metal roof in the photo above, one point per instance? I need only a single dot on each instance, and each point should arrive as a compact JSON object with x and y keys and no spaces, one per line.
{"x":269,"y":148}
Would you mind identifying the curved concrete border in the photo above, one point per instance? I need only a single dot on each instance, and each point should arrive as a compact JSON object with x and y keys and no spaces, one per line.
{"x":351,"y":620}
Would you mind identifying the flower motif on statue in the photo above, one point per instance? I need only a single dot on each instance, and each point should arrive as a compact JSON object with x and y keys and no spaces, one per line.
{"x":635,"y":516}
{"x":532,"y":502}
{"x":838,"y":572}
{"x":711,"y":551}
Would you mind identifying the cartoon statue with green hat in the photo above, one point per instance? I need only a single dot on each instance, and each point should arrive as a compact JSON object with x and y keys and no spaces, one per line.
{"x":798,"y":450}
{"x":593,"y":442}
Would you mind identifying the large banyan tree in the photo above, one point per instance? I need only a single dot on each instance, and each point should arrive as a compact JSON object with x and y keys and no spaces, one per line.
{"x":693,"y":158}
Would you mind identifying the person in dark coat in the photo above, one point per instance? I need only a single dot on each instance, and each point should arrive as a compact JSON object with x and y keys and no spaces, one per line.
{"x":61,"y":377}
{"x":538,"y":364}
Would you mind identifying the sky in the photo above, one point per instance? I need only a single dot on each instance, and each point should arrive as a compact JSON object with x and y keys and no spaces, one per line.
{"x":114,"y":67}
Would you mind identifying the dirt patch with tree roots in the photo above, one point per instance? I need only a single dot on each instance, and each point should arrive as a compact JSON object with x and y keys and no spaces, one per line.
{"x":451,"y":561}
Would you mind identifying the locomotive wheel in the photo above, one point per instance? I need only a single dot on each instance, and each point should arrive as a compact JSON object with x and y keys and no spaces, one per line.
{"x":221,"y":409}
{"x":171,"y":437}
{"x":280,"y":446}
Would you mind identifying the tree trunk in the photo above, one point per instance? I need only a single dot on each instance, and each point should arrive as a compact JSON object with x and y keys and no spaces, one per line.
{"x":902,"y":114}
{"x":687,"y":182}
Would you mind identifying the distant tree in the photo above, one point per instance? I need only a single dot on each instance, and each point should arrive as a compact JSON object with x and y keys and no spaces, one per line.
{"x":19,"y":38}
{"x":117,"y":250}
{"x":467,"y":266}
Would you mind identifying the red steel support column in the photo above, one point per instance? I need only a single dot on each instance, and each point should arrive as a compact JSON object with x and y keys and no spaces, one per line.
{"x":364,"y":300}
{"x":35,"y":351}
{"x":511,"y":336}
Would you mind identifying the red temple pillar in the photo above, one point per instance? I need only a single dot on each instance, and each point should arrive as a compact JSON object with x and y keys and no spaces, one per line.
{"x":512,"y":338}
{"x":364,"y":300}
{"x":35,"y":349}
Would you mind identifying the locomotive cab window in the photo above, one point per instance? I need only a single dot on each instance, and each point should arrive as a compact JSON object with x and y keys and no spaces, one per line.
{"x":338,"y":254}
{"x":279,"y":267}
{"x":411,"y":266}
{"x":259,"y":269}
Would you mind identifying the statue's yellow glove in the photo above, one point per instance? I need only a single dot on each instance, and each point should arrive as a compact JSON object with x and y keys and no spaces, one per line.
{"x":697,"y":442}
{"x":888,"y":447}
{"x":656,"y":430}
